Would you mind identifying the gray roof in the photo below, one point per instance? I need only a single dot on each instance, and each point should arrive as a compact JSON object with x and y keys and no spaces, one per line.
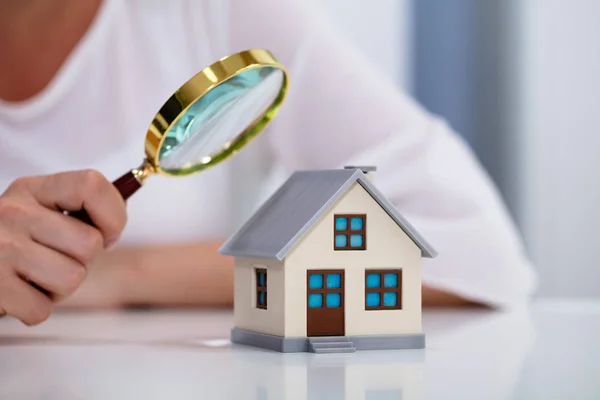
{"x":292,"y":210}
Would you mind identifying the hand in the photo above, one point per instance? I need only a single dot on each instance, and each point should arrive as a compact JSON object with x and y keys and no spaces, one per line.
{"x":44,"y":253}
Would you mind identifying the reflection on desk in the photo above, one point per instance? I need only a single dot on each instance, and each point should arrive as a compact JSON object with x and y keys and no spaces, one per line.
{"x":185,"y":355}
{"x":368,"y":375}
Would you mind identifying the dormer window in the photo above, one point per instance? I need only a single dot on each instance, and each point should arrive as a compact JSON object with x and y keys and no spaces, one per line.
{"x":350,"y":232}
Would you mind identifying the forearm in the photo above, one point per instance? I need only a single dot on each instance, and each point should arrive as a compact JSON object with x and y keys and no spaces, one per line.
{"x":169,"y":276}
{"x":437,"y":298}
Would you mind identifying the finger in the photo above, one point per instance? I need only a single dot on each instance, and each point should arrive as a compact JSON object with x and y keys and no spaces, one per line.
{"x":22,"y":301}
{"x":50,"y":270}
{"x":30,"y":220}
{"x":64,"y":234}
{"x":89,"y":190}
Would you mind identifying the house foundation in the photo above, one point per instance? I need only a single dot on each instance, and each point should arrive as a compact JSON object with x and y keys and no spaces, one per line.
{"x":303,"y":344}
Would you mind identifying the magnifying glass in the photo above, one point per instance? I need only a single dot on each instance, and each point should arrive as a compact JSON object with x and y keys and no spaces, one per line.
{"x":209,"y":119}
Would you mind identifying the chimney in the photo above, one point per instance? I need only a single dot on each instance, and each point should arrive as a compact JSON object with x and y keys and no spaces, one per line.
{"x":368,"y":170}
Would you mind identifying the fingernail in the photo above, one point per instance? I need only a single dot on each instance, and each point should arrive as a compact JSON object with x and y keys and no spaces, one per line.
{"x":111,"y":243}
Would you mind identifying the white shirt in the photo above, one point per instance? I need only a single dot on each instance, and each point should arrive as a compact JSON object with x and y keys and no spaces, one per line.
{"x":95,"y":113}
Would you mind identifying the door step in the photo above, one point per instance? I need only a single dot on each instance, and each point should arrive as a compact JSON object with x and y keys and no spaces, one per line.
{"x":334,"y":351}
{"x":330,"y":344}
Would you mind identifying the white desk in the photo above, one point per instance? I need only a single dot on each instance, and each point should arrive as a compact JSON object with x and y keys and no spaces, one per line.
{"x":549,"y":352}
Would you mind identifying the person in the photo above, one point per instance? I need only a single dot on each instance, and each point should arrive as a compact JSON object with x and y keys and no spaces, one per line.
{"x":80,"y":81}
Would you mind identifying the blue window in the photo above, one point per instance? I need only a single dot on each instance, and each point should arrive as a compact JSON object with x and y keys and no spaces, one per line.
{"x":390,"y":280}
{"x":341,"y":240}
{"x":325,"y":289}
{"x":261,"y":288}
{"x":315,"y":300}
{"x":356,"y":224}
{"x":334,"y":300}
{"x":350,"y":232}
{"x":373,"y":281}
{"x":373,"y":299}
{"x":261,"y":279}
{"x":334,"y":281}
{"x":356,"y":240}
{"x":315,"y":281}
{"x":341,"y":224}
{"x":383,"y":289}
{"x":390,"y":299}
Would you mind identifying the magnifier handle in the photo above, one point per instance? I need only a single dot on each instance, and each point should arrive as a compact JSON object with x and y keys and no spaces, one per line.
{"x":127,"y":185}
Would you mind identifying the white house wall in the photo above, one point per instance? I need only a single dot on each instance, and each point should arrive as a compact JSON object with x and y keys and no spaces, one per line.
{"x":246,"y":314}
{"x":388,"y":247}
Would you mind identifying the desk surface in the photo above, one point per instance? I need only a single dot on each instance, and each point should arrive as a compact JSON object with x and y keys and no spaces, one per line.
{"x":551,"y":351}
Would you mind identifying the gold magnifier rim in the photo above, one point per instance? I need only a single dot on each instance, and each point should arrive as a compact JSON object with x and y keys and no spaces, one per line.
{"x":193,"y":90}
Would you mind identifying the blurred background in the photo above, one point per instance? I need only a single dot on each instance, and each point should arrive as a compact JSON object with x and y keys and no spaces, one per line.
{"x":520,"y":81}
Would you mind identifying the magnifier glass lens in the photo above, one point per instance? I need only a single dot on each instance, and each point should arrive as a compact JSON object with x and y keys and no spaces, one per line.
{"x":218,"y":117}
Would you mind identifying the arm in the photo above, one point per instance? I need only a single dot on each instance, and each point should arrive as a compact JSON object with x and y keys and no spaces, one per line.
{"x":161,"y":276}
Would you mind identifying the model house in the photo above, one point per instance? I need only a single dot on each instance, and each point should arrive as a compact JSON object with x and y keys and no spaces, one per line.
{"x":328,"y":265}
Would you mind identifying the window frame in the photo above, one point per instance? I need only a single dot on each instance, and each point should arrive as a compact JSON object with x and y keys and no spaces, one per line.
{"x":260,"y":289}
{"x":382,"y":289}
{"x":348,"y":232}
{"x":324,"y":291}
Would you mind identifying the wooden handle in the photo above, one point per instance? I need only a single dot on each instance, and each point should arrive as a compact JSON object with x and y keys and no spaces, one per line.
{"x":127,"y":185}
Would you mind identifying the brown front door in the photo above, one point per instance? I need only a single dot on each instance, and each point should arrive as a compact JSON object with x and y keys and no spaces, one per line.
{"x":325,"y":303}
